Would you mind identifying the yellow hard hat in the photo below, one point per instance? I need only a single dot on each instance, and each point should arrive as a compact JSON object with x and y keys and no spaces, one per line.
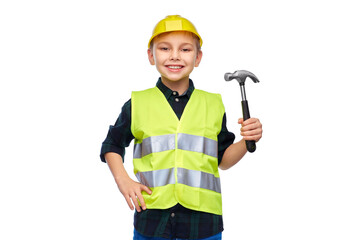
{"x":174,"y":23}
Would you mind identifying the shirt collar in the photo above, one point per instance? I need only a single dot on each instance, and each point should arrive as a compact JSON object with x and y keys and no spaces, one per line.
{"x":168,"y":92}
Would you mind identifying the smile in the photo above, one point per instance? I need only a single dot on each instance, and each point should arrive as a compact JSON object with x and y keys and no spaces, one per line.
{"x":174,"y":67}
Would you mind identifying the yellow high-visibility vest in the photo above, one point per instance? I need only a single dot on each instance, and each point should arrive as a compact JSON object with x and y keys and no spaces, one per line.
{"x":177,"y":159}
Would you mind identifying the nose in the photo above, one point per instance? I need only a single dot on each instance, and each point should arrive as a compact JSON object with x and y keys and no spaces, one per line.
{"x":175,"y":55}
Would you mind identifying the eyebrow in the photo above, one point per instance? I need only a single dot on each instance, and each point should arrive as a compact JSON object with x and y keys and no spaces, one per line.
{"x":182,"y":44}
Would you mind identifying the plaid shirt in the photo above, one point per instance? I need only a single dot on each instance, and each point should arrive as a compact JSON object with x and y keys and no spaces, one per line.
{"x":178,"y":221}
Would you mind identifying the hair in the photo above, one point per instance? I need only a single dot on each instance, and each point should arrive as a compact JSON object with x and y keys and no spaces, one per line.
{"x":197,"y":40}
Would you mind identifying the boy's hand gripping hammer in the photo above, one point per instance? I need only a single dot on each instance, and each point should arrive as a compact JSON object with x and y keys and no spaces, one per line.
{"x":241,"y":76}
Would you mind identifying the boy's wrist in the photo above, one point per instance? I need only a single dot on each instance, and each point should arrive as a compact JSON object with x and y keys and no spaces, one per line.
{"x":120,"y":179}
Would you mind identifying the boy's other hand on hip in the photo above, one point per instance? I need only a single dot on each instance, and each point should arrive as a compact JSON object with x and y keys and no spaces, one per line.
{"x":131,"y":190}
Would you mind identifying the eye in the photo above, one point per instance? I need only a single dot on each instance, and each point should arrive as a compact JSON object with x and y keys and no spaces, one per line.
{"x":164,"y":48}
{"x":186,"y":49}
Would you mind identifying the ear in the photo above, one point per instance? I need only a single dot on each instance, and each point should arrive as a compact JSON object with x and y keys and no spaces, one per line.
{"x":151,"y":56}
{"x":198,"y":58}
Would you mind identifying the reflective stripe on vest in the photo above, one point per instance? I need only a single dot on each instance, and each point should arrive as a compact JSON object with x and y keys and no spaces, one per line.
{"x":154,"y":144}
{"x":156,"y":178}
{"x":167,"y":142}
{"x":187,"y":177}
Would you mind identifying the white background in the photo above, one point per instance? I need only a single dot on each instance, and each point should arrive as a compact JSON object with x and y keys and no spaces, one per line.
{"x":67,"y":67}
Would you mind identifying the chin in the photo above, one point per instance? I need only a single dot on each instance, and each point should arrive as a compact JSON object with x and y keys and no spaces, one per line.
{"x":175,"y":79}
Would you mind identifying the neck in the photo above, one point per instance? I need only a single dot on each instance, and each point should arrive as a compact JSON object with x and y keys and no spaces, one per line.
{"x":180,"y":86}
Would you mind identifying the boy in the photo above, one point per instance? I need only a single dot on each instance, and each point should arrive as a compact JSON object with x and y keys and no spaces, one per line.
{"x":177,"y":150}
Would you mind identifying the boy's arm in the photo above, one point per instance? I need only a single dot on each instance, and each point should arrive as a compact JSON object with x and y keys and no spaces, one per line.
{"x":251,"y":130}
{"x":130,"y":189}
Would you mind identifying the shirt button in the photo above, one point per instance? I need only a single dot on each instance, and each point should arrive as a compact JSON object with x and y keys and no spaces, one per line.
{"x":172,"y":215}
{"x":174,"y":93}
{"x":177,"y":100}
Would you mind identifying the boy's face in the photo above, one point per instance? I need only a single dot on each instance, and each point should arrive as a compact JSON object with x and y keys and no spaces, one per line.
{"x":175,"y":55}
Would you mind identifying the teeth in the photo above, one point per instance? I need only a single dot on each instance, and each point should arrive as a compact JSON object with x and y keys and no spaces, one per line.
{"x":174,"y":67}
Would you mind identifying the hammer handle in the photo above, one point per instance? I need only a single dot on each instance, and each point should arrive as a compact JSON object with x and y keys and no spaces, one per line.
{"x":250,"y":145}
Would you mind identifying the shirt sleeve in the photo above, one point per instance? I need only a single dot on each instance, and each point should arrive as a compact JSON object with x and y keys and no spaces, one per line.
{"x":119,"y":135}
{"x":225,"y":139}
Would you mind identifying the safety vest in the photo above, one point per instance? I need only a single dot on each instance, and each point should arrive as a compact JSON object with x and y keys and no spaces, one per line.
{"x":177,"y":159}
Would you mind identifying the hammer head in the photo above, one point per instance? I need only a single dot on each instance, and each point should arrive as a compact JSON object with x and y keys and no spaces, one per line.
{"x":240,"y":76}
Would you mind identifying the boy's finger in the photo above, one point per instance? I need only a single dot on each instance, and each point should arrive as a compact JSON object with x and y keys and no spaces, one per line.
{"x":127,"y":198}
{"x":250,"y":121}
{"x":252,"y":124}
{"x":142,"y":201}
{"x":251,"y":132}
{"x":247,"y":121}
{"x":146,"y":189}
{"x":135,"y":202}
{"x":249,"y":127}
{"x":141,"y":198}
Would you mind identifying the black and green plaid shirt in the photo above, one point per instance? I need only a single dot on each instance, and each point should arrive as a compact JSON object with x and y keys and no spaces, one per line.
{"x":178,"y":221}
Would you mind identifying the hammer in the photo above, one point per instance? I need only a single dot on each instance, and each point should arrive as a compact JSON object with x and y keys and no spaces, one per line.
{"x":241,"y":76}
